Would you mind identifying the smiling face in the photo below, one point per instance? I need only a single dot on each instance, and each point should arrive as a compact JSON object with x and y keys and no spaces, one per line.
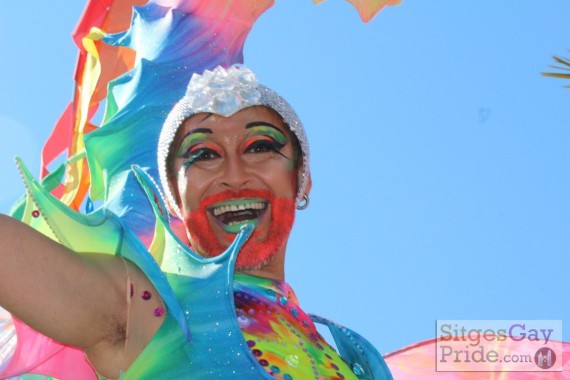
{"x":228,"y":171}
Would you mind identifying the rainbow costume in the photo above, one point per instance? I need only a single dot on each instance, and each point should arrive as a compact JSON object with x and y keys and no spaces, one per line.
{"x":214,"y":327}
{"x":217,"y":325}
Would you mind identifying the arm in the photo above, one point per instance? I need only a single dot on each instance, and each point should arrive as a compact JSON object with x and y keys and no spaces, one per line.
{"x":75,"y":299}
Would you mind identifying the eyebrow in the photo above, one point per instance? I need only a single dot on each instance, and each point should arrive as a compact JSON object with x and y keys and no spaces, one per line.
{"x":207,"y":116}
{"x":198,"y":130}
{"x":248,"y":126}
{"x":254,"y":124}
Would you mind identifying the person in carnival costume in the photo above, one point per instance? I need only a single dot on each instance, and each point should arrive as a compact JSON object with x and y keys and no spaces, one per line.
{"x":233,"y":162}
{"x":188,"y":288}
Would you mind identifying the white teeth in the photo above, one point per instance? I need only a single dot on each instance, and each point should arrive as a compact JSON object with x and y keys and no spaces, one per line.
{"x":232,"y":208}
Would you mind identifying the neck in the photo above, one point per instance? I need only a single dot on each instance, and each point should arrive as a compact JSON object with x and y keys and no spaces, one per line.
{"x":274,"y":270}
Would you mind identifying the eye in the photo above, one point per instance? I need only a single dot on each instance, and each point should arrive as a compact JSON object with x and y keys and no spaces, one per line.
{"x":199,"y":154}
{"x":204,"y":154}
{"x":264,"y":145}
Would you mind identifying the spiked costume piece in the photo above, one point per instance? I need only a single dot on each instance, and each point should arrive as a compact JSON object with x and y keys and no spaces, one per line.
{"x":140,"y":65}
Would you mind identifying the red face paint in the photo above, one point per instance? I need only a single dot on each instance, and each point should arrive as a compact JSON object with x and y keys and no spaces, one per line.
{"x":269,"y":237}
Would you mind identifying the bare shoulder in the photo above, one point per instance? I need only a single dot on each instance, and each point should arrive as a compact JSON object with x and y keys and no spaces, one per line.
{"x":98,"y":302}
{"x":74,"y":298}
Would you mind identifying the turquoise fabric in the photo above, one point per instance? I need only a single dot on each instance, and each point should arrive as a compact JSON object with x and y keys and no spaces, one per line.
{"x":200,"y":337}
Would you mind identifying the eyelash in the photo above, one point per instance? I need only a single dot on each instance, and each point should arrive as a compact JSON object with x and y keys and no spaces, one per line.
{"x":264,"y":145}
{"x":199,"y":154}
{"x":261,"y":145}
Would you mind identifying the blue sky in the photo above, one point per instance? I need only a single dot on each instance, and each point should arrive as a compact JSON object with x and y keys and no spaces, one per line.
{"x":439,"y":153}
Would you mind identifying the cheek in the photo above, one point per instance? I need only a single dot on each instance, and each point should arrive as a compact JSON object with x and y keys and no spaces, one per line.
{"x":195,"y":185}
{"x":189,"y":192}
{"x":282,"y":180}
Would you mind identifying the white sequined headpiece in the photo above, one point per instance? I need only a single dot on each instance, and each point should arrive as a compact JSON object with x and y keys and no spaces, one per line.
{"x":225,"y":92}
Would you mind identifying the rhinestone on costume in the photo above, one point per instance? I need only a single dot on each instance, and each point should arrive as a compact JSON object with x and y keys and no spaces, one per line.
{"x":292,"y":360}
{"x":159,"y":312}
{"x":242,"y":320}
{"x":283,"y":300}
{"x":256,"y":352}
{"x":146,"y":295}
{"x":357,"y":369}
{"x":264,"y":362}
{"x":36,"y":213}
{"x":340,"y":375}
{"x":250,"y":343}
{"x":223,"y":91}
{"x":294,"y":312}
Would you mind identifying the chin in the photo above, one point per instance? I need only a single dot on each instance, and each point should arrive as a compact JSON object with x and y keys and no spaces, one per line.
{"x":260,"y":249}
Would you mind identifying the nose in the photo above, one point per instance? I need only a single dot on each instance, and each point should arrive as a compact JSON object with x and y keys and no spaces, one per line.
{"x":236,"y":174}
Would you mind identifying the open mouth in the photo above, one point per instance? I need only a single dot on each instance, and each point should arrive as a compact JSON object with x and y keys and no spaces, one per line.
{"x":232,"y":215}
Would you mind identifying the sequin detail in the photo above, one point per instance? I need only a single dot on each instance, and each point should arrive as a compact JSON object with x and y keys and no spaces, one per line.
{"x":146,"y":295}
{"x":36,"y":213}
{"x":281,"y":337}
{"x":159,"y":312}
{"x":357,"y":369}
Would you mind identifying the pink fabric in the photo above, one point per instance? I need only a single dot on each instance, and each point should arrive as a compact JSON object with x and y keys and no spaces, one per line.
{"x":417,"y":362}
{"x":38,"y":354}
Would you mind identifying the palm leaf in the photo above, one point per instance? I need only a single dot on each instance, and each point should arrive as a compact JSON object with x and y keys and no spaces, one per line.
{"x":565,"y":68}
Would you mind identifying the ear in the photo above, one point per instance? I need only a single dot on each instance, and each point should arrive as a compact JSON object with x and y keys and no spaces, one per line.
{"x":309,"y":185}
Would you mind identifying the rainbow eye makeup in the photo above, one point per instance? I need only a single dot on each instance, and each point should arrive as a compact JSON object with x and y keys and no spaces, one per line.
{"x":266,"y":129}
{"x":195,"y":147}
{"x":200,"y":144}
{"x":263,"y":137}
{"x":189,"y":140}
